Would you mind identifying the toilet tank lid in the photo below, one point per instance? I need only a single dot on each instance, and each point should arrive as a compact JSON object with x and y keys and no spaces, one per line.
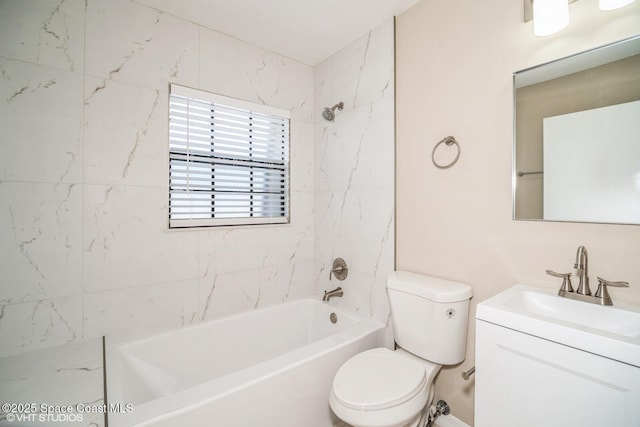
{"x":429,"y":287}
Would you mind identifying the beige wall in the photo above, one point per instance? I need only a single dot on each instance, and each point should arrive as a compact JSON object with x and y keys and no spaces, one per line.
{"x":455,"y":59}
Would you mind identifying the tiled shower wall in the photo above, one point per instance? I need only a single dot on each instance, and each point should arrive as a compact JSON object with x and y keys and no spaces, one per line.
{"x":354,"y":171}
{"x":84,"y":244}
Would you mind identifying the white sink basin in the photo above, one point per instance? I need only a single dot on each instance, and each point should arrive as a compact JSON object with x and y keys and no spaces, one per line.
{"x":612,"y":332}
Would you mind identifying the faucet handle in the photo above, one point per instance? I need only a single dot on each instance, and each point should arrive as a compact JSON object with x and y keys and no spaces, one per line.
{"x":339,"y":269}
{"x":566,"y":280}
{"x":602,"y":292}
{"x":610,"y":283}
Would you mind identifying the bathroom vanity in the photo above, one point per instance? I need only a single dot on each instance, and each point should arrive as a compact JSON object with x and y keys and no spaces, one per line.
{"x":543,"y":360}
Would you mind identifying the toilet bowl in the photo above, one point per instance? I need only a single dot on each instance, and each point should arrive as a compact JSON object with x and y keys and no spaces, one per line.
{"x":382,"y":388}
{"x":394,"y":388}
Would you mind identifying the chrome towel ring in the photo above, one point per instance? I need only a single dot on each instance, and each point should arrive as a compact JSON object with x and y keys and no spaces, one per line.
{"x":449,"y":140}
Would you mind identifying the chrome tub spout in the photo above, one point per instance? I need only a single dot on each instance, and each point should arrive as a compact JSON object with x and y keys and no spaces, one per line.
{"x":337,"y":292}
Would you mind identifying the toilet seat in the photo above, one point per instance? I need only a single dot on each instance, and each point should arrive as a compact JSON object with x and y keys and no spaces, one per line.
{"x":378,"y":379}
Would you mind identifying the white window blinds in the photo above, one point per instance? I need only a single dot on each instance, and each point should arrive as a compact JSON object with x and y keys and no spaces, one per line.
{"x":228,"y":161}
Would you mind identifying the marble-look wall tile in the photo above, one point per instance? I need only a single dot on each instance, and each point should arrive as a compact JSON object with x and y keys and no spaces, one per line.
{"x":132,"y":43}
{"x":224,"y":294}
{"x":254,"y":74}
{"x":295,"y":243}
{"x":374,"y":250}
{"x":375,"y":166}
{"x":39,"y":376}
{"x":125,"y":134}
{"x":47,"y":32}
{"x":41,"y":120}
{"x":297,"y":280}
{"x":40,"y":241}
{"x":141,"y":310}
{"x":354,"y":172}
{"x":355,"y":152}
{"x":235,"y":248}
{"x":39,"y":324}
{"x":301,"y":149}
{"x":85,"y":225}
{"x":251,"y":267}
{"x":358,"y":74}
{"x":359,"y":229}
{"x":374,"y":79}
{"x":126,"y":240}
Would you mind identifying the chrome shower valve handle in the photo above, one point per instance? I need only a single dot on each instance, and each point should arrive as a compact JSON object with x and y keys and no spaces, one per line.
{"x":339,"y":269}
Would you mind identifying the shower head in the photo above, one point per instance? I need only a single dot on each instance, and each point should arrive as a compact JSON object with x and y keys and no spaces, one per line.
{"x":329,"y":113}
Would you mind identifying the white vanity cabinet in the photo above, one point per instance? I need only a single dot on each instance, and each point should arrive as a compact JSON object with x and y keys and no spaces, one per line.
{"x":525,"y":380}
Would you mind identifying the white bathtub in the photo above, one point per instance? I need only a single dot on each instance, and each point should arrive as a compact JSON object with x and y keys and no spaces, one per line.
{"x":269,"y":367}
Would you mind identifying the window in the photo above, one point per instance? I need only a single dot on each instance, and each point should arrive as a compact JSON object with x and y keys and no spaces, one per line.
{"x":228,"y":161}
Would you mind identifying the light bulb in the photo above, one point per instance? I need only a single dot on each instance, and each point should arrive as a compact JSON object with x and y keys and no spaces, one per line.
{"x":613,"y":4}
{"x":550,"y":16}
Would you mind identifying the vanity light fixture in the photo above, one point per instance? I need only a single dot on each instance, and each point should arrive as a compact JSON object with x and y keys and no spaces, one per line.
{"x":551,"y":16}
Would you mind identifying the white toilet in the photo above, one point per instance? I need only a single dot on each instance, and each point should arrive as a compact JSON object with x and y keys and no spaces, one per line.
{"x":385,"y":388}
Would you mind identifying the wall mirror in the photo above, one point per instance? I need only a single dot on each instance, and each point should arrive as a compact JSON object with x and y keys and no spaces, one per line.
{"x":577,"y":137}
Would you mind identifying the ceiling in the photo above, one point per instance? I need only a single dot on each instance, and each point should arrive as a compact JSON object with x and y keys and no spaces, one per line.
{"x":304,"y":30}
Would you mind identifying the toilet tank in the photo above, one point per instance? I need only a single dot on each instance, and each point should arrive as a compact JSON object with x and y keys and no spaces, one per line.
{"x":429,"y":316}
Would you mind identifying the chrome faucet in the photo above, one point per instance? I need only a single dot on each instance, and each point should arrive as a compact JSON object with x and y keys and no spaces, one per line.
{"x":582,"y":270}
{"x":583,"y":293}
{"x":337,"y":292}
